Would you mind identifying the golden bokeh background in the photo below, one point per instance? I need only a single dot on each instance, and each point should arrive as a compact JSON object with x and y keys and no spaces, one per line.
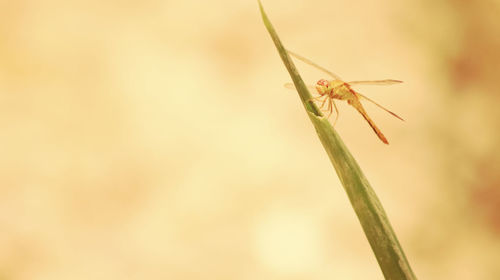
{"x":155,"y":140}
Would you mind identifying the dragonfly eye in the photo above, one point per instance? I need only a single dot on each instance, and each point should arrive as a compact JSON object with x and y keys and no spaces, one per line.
{"x":323,"y":82}
{"x":322,"y":86}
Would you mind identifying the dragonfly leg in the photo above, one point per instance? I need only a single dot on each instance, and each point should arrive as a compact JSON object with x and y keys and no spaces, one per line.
{"x":330,"y":108}
{"x":336,"y":112}
{"x":323,"y":103}
{"x":312,"y":99}
{"x":315,"y":98}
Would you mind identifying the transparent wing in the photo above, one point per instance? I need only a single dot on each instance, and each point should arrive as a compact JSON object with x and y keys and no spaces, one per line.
{"x":307,"y":61}
{"x":376,"y":82}
{"x":380,"y":106}
{"x":292,"y":86}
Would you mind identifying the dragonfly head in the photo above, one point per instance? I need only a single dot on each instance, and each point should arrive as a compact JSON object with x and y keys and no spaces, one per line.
{"x":323,"y":86}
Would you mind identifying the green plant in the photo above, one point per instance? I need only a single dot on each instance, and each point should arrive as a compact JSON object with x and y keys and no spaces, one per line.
{"x":369,"y":210}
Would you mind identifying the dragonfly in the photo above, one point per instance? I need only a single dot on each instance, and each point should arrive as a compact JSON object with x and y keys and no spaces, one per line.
{"x":336,"y":88}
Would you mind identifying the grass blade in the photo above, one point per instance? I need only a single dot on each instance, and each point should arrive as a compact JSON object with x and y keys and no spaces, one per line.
{"x":369,"y":210}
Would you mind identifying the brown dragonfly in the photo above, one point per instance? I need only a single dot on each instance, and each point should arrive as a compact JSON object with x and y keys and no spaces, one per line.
{"x":338,"y":89}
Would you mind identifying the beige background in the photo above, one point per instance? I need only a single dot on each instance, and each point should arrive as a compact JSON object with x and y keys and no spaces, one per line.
{"x":154,"y":139}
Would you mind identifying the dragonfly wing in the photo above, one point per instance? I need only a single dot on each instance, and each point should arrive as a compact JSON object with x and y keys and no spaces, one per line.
{"x":292,"y":86}
{"x":380,"y":106}
{"x":376,"y":82}
{"x":307,"y":61}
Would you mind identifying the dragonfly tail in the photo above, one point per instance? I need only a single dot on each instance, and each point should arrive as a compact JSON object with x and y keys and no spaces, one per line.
{"x":377,"y":131}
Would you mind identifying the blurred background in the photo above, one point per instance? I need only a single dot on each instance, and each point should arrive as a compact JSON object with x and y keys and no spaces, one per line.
{"x":155,"y":140}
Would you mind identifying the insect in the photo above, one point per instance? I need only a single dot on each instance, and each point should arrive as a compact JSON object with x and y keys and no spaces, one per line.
{"x":337,"y":89}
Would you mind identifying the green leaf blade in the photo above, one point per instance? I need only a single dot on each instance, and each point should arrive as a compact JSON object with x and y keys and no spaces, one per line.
{"x":369,"y":210}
